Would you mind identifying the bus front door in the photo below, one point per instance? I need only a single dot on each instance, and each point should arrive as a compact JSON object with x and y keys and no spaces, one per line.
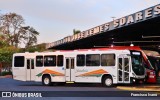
{"x":30,"y":69}
{"x":70,"y":71}
{"x":123,"y":70}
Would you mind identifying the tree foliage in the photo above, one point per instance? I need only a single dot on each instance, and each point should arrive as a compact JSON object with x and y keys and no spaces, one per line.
{"x":76,"y":31}
{"x":12,"y":25}
{"x":38,"y":48}
{"x":13,"y":32}
{"x":3,"y":41}
{"x":30,"y":36}
{"x":6,"y":54}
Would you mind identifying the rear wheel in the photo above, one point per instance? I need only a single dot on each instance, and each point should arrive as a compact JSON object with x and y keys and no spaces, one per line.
{"x":46,"y":80}
{"x":107,"y":81}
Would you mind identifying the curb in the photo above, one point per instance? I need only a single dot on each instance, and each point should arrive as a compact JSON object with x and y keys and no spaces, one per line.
{"x":6,"y":76}
{"x":146,"y":88}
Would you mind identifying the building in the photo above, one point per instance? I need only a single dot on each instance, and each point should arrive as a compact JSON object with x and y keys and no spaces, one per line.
{"x":139,"y":29}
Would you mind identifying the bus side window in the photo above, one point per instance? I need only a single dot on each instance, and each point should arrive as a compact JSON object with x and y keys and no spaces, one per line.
{"x":60,"y":60}
{"x":39,"y":61}
{"x":92,"y":60}
{"x":50,"y":61}
{"x":80,"y":60}
{"x":108,"y":60}
{"x":19,"y":61}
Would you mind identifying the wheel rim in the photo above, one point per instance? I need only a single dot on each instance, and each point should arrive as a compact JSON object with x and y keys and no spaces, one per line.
{"x":108,"y":82}
{"x":46,"y":81}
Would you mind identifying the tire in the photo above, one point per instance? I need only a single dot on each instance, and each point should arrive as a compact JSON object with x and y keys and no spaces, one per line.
{"x":46,"y":80}
{"x":107,"y":81}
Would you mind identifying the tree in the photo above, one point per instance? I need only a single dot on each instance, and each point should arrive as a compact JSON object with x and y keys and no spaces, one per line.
{"x":40,"y":48}
{"x":12,"y":25}
{"x":3,"y":41}
{"x":76,"y":31}
{"x":12,"y":33}
{"x":6,"y":54}
{"x":30,"y":36}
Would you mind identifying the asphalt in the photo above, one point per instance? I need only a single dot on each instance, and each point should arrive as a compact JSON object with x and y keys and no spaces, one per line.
{"x":78,"y":91}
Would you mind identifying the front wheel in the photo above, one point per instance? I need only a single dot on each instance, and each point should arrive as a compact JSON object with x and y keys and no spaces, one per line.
{"x":107,"y":81}
{"x":46,"y":80}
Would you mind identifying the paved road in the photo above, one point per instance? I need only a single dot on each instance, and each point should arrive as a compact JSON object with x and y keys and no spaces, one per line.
{"x":8,"y":84}
{"x":13,"y":85}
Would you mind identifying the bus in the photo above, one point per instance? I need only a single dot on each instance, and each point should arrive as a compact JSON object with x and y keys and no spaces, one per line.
{"x":108,"y":67}
{"x":155,"y":61}
{"x":149,"y":67}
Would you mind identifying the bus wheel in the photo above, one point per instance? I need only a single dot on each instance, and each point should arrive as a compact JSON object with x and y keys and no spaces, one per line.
{"x":46,"y":80}
{"x":107,"y":81}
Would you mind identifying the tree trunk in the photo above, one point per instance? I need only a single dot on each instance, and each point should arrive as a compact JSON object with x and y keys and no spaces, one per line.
{"x":16,"y":45}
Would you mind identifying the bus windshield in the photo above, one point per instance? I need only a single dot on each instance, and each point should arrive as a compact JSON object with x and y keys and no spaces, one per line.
{"x":137,"y":63}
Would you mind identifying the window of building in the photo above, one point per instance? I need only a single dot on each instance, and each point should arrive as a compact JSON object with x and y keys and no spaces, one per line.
{"x":50,"y":61}
{"x":80,"y":60}
{"x":108,"y":60}
{"x":19,"y":61}
{"x":93,"y":60}
{"x":60,"y":60}
{"x":39,"y":61}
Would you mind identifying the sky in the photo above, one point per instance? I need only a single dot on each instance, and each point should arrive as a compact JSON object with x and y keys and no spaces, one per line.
{"x":56,"y":19}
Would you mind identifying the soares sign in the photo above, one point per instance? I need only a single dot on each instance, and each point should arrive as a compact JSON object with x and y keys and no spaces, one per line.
{"x":124,"y":21}
{"x":142,"y":15}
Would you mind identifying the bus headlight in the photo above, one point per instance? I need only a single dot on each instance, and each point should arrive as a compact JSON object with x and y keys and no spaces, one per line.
{"x":134,"y":80}
{"x":152,"y":73}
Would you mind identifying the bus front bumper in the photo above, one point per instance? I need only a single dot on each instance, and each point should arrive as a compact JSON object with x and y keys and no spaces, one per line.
{"x":135,"y":80}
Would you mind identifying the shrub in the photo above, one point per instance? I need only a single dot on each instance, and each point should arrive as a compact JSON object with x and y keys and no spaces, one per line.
{"x":6,"y":73}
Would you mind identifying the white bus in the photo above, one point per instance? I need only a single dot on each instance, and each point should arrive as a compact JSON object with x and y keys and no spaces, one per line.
{"x":80,"y":66}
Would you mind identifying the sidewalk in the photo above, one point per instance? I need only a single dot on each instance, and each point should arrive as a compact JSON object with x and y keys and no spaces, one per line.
{"x":7,"y":76}
{"x":145,"y":87}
